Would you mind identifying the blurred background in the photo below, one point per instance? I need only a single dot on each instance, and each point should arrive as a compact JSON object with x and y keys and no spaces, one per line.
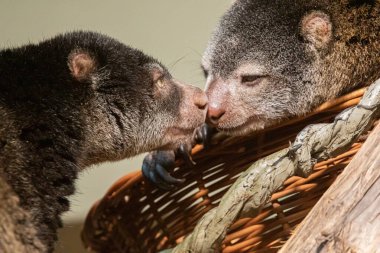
{"x":174,"y":31}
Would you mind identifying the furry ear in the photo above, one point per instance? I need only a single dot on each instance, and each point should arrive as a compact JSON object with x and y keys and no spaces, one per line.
{"x":81,"y":64}
{"x":316,"y":28}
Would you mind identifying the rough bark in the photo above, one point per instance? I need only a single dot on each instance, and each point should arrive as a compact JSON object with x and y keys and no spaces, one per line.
{"x":347,"y":217}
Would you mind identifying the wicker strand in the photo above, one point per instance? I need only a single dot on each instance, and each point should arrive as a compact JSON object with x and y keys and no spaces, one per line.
{"x":255,"y":186}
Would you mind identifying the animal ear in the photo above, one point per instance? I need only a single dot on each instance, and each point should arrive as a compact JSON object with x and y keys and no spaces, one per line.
{"x":81,"y":64}
{"x":316,"y":28}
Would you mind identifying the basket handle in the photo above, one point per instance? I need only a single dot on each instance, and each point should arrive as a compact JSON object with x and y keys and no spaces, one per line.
{"x":255,"y":186}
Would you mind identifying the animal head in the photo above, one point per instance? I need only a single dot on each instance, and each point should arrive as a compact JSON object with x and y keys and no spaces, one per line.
{"x":130,"y":102}
{"x":272,"y":60}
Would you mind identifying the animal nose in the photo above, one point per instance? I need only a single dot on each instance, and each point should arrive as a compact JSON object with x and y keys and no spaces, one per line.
{"x":214,"y":113}
{"x":200,"y":100}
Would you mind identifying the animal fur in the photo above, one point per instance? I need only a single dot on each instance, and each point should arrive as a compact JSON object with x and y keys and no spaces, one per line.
{"x":70,"y":102}
{"x":271,"y":60}
{"x":268,"y":61}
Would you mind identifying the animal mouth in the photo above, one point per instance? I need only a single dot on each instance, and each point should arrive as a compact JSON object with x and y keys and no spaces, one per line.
{"x":178,"y":131}
{"x":242,"y":129}
{"x":176,"y":135}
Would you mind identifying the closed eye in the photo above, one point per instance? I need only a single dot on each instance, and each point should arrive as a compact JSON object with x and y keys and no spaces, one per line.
{"x":252,"y":79}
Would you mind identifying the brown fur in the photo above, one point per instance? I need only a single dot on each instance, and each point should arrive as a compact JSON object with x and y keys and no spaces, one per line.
{"x":18,"y":233}
{"x":76,"y":100}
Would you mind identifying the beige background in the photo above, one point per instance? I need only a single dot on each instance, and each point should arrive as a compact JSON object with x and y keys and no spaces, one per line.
{"x":174,"y":31}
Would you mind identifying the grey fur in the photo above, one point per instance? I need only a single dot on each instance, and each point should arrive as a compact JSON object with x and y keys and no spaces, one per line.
{"x":266,"y":37}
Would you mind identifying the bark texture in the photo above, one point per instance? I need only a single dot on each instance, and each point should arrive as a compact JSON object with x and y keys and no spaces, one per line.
{"x":347,"y":217}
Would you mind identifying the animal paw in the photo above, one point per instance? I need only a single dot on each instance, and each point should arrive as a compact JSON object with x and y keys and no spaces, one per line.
{"x":155,"y":168}
{"x":157,"y":164}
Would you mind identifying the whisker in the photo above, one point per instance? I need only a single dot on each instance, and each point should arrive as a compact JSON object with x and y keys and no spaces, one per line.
{"x":178,"y":60}
{"x":195,"y":51}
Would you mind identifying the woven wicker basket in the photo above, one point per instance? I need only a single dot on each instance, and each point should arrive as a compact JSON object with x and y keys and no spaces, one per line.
{"x":134,"y":216}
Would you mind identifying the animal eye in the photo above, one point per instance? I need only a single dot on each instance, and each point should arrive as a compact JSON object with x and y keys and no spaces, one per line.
{"x":251,"y":79}
{"x":160,"y":83}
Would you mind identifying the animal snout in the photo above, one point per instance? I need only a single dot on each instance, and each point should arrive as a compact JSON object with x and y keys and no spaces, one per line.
{"x":200,"y":99}
{"x":215,"y":113}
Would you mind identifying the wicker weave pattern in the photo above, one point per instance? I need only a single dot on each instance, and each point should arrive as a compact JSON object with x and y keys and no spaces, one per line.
{"x":135,"y":217}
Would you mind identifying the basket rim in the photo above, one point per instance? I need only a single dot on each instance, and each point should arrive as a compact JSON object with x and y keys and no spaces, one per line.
{"x":112,"y":196}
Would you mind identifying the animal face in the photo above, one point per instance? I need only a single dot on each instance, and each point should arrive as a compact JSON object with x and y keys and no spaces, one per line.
{"x":177,"y":108}
{"x":261,"y":64}
{"x":135,"y":104}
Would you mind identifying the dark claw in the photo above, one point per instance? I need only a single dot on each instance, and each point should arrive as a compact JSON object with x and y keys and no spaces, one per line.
{"x":184,"y":152}
{"x":159,"y":182}
{"x":164,"y":174}
{"x":155,"y":166}
{"x":203,"y":135}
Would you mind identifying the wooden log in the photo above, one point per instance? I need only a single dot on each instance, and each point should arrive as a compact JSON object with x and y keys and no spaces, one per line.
{"x":347,"y":217}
